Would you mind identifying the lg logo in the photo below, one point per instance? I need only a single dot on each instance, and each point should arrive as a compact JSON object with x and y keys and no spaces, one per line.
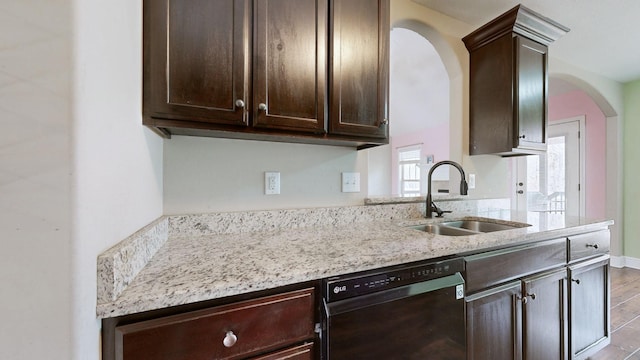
{"x":338,"y":289}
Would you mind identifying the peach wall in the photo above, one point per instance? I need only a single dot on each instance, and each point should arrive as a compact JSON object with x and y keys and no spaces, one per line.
{"x":576,"y":103}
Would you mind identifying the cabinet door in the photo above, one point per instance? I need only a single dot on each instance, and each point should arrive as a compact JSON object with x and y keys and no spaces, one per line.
{"x":290,"y":64}
{"x":531,"y":94}
{"x":493,"y":323}
{"x":359,"y":67}
{"x":589,"y":306}
{"x":491,"y":108}
{"x":196,"y":65}
{"x":544,"y":316}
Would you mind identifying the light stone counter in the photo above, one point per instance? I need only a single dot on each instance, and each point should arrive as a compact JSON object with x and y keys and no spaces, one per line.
{"x":203,"y":264}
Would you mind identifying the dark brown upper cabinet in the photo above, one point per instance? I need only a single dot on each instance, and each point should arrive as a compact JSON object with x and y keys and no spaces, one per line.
{"x":289,"y":68}
{"x":508,"y":85}
{"x":359,"y":67}
{"x":260,"y":70}
{"x":196,"y":63}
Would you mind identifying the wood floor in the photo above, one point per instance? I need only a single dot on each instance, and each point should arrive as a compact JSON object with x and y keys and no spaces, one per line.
{"x":625,"y":316}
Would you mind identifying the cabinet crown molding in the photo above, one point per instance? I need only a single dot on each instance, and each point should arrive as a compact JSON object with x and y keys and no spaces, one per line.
{"x":520,"y":20}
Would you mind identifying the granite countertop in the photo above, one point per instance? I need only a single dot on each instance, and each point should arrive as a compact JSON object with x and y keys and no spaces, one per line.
{"x":190,"y":268}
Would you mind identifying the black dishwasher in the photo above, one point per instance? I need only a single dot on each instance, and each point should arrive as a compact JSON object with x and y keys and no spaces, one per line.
{"x":404,"y":312}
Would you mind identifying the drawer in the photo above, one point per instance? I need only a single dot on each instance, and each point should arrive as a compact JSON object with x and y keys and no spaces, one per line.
{"x":588,"y":245}
{"x":260,"y":325}
{"x":301,"y":352}
{"x":496,"y":267}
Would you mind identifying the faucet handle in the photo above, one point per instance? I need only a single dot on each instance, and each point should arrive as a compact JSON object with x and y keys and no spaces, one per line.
{"x":439,"y":212}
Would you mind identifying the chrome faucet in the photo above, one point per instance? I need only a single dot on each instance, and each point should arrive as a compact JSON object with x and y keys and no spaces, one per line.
{"x":430,"y":206}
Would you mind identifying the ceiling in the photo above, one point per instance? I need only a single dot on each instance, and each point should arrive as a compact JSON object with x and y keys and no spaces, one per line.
{"x":603,"y":36}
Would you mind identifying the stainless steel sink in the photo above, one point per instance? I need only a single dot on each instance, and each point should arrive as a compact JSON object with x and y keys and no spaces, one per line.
{"x":444,"y":230}
{"x":465,"y":227}
{"x":478,"y":226}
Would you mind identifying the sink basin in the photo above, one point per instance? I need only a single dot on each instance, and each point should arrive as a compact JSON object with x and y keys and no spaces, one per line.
{"x":465,"y":227}
{"x":478,"y":226}
{"x":444,"y":230}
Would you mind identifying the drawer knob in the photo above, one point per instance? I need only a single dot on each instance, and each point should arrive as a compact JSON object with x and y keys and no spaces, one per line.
{"x":577,"y":281}
{"x":230,"y":339}
{"x":240,"y":103}
{"x":595,"y":246}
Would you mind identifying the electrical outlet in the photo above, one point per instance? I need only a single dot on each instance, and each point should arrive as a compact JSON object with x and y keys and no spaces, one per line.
{"x":271,"y":183}
{"x":472,"y":181}
{"x":350,"y":182}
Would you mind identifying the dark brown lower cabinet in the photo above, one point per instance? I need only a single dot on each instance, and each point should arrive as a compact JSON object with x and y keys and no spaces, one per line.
{"x":494,"y":323}
{"x":545,"y":300}
{"x":589,"y":304}
{"x":273,"y":327}
{"x":522,"y":319}
{"x":544,"y":324}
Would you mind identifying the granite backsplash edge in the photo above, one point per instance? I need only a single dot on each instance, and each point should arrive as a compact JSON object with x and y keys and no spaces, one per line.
{"x":119,"y":265}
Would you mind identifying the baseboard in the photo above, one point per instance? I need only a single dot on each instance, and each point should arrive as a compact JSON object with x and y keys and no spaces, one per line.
{"x":625,"y":261}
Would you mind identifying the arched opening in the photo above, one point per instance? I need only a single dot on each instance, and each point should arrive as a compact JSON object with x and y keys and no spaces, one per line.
{"x":425,"y":115}
{"x":419,"y":105}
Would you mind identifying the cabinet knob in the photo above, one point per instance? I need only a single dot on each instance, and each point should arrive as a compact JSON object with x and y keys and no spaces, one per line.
{"x":240,"y":103}
{"x":230,"y":339}
{"x":384,"y":122}
{"x":520,"y":192}
{"x":522,"y":136}
{"x":577,"y":281}
{"x":262,"y":107}
{"x":595,"y":246}
{"x":525,"y":299}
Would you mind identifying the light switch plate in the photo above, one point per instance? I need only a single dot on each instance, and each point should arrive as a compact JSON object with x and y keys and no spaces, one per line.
{"x":472,"y":181}
{"x":350,"y":182}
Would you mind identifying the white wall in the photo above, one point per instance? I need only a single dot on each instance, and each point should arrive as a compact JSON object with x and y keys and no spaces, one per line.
{"x":78,"y":172}
{"x":35,"y":167}
{"x":117,"y":179}
{"x":418,"y":84}
{"x":207,"y":174}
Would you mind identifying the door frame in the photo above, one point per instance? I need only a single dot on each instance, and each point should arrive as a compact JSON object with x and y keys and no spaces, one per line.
{"x":519,"y":161}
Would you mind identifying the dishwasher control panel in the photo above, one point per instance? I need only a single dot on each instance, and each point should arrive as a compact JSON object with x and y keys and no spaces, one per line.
{"x":343,"y":287}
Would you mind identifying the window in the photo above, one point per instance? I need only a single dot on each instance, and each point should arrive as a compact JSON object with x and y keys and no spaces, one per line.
{"x":409,"y":170}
